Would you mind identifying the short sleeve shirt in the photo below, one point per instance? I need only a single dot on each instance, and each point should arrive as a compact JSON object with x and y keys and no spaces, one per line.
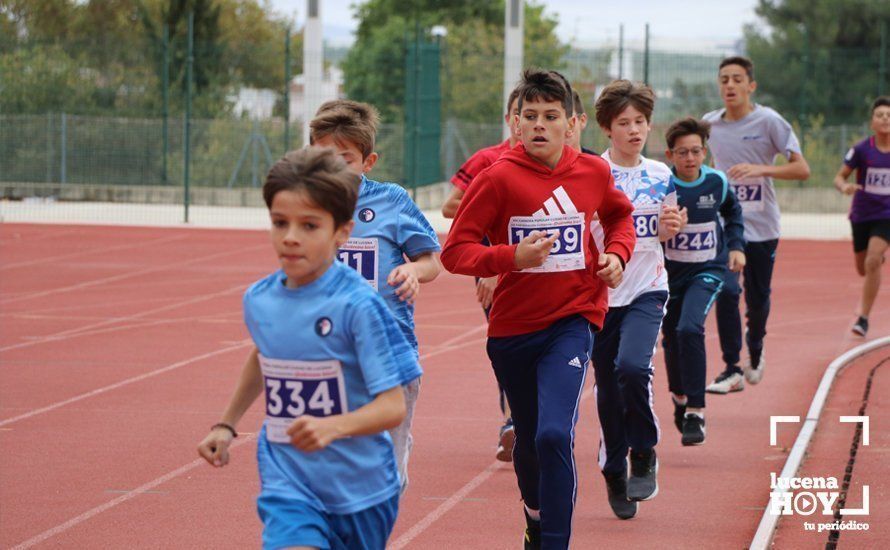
{"x":754,"y":139}
{"x":327,"y":348}
{"x":872,"y":201}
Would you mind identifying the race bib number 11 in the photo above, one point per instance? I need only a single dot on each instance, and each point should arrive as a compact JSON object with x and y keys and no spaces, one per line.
{"x":297,"y":388}
{"x":567,"y":253}
{"x":361,"y":255}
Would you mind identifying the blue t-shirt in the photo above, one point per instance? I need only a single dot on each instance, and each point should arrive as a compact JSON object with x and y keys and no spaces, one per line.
{"x":715,"y":226}
{"x":388,"y":227}
{"x":326,"y":348}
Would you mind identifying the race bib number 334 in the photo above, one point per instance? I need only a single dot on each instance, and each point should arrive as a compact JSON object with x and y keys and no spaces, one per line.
{"x":567,"y":253}
{"x":297,"y":388}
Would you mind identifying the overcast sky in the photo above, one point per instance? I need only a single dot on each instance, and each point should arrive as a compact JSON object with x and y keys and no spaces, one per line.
{"x":585,"y":22}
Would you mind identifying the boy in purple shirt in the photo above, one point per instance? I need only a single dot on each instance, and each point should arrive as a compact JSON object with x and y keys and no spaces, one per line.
{"x":870,"y":211}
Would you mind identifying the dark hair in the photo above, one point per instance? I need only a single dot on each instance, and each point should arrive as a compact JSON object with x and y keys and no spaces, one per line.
{"x":578,"y":104}
{"x":547,"y":85}
{"x":346,"y":120}
{"x":321,"y":174}
{"x":514,"y":95}
{"x":618,"y":96}
{"x":742,"y":62}
{"x":882,"y":101}
{"x":686,"y":127}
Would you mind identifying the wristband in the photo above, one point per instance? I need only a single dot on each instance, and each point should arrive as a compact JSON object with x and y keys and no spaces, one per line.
{"x":226,"y":426}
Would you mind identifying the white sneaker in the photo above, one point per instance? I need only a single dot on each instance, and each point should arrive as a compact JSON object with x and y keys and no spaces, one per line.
{"x":728,"y":381}
{"x":753,"y":375}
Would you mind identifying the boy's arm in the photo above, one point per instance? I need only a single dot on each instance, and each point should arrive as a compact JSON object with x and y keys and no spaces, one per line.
{"x":615,"y":215}
{"x":386,"y":411}
{"x":796,"y":168}
{"x":841,"y":183}
{"x":215,"y":447}
{"x":452,"y":203}
{"x":733,"y":221}
{"x":463,"y":252}
{"x":423,"y":268}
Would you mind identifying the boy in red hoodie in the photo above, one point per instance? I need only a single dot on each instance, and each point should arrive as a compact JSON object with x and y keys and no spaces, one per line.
{"x":535,"y":204}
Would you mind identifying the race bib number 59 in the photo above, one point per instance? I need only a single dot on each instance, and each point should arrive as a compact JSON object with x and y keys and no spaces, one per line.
{"x":296,"y":388}
{"x":567,"y":253}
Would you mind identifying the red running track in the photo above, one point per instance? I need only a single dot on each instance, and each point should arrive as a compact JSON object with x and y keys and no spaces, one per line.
{"x":120,"y":346}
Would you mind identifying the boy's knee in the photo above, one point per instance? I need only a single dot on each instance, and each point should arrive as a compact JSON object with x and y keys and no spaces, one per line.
{"x":873,"y":263}
{"x":628,"y":369}
{"x":551,"y":437}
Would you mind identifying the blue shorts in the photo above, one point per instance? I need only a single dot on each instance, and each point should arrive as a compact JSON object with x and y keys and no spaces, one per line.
{"x":290,"y":522}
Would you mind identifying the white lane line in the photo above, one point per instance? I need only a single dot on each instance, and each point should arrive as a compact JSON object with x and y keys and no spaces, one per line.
{"x":77,"y":520}
{"x":123,"y":383}
{"x":763,"y":536}
{"x":89,"y":329}
{"x":127,"y":275}
{"x":97,"y":250}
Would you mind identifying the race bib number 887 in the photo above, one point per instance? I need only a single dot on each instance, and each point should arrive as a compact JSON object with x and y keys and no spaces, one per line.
{"x":297,"y":388}
{"x":567,"y":253}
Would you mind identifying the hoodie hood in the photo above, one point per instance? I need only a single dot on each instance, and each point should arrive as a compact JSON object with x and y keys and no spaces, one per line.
{"x":518,"y":155}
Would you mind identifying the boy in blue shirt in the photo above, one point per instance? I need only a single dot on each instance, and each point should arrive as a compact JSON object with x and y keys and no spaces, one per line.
{"x":388,"y":228}
{"x":696,"y":262}
{"x":329,"y":357}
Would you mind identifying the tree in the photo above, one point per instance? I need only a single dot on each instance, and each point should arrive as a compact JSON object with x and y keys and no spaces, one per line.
{"x":473,"y":52}
{"x":819,"y":57}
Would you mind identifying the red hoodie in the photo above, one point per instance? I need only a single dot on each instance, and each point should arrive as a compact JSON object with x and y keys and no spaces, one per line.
{"x":518,"y":194}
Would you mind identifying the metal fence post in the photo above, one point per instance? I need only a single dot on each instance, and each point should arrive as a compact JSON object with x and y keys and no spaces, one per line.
{"x":620,"y":51}
{"x":63,"y":171}
{"x":166,"y":102}
{"x":188,"y":114}
{"x":287,"y":90}
{"x":882,"y":62}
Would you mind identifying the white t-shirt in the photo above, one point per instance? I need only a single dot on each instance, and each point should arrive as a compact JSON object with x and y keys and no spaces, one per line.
{"x":756,"y":139}
{"x":647,"y":185}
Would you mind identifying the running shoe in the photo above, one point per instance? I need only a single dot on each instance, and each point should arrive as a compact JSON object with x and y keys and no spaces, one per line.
{"x":505,"y":442}
{"x":532,"y":540}
{"x":643,"y":482}
{"x":754,"y":374}
{"x":861,"y":326}
{"x":729,"y":380}
{"x":616,"y":490}
{"x":693,"y":430}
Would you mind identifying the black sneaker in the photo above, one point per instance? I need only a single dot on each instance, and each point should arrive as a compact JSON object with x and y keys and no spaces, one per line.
{"x":693,"y":430}
{"x":643,"y":482}
{"x":861,"y":326}
{"x":532,"y":538}
{"x":679,"y":413}
{"x":616,"y":489}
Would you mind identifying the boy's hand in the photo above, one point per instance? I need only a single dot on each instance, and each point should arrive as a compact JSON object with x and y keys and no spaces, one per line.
{"x":736,"y":260}
{"x":670,"y":222}
{"x":611,"y":271}
{"x":849,"y":188}
{"x":215,"y":447}
{"x":485,"y":291}
{"x":406,"y":277}
{"x":310,"y":433}
{"x":745,"y":170}
{"x":534,"y":249}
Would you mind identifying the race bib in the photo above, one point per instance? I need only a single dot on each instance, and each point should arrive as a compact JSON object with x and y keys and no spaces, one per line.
{"x":750,"y":195}
{"x":567,"y":253}
{"x":697,"y":243}
{"x":295,"y":388}
{"x":646,"y":226}
{"x":361,"y":255}
{"x":877,"y":181}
